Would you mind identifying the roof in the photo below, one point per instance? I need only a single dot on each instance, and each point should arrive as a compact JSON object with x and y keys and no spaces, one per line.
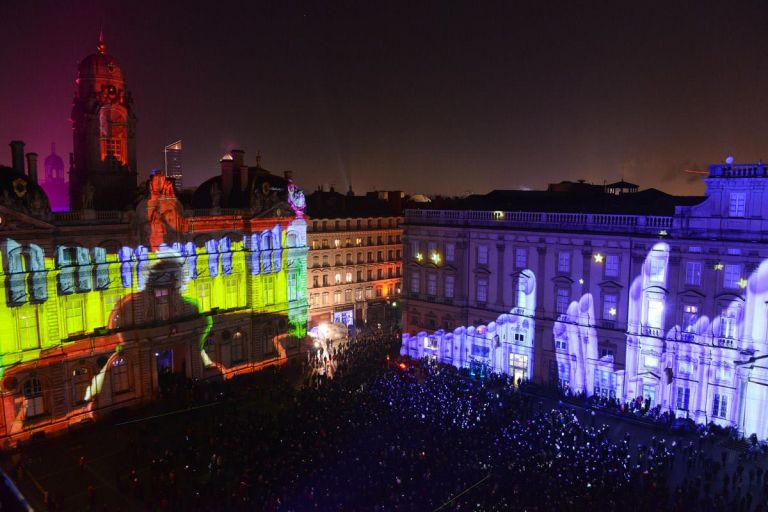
{"x":334,"y":205}
{"x":647,"y":202}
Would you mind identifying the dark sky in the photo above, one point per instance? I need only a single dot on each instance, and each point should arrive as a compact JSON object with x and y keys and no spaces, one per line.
{"x":431,"y":97}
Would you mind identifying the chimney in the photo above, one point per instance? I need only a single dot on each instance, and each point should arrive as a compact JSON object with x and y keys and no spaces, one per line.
{"x":226,"y":179}
{"x":32,"y":167}
{"x":238,"y":155}
{"x":17,"y":156}
{"x":288,"y":175}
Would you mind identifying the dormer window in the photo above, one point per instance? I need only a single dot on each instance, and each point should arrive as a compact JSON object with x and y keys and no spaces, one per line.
{"x":737,"y":203}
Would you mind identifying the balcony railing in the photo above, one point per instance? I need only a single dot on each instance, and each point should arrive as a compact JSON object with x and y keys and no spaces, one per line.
{"x":543,"y":220}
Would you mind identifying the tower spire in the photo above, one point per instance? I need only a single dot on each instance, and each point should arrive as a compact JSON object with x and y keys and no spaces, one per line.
{"x":101,"y":47}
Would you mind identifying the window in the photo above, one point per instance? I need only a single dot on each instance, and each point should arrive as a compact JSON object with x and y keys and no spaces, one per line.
{"x":75,"y":323}
{"x":612,"y":265}
{"x":236,"y":350}
{"x":325,"y":298}
{"x":522,"y":290}
{"x":315,"y":281}
{"x":337,"y":278}
{"x":728,"y":323}
{"x":563,"y":297}
{"x":111,"y":309}
{"x":348,"y":295}
{"x":720,"y":406}
{"x":293,"y":287}
{"x":337,"y":243}
{"x":337,"y":297}
{"x":269,"y":290}
{"x":358,"y":294}
{"x":482,"y":255}
{"x":120,"y":378}
{"x":521,"y":258}
{"x":432,"y":284}
{"x":379,"y":273}
{"x":693,"y":273}
{"x":564,"y":262}
{"x":690,"y":315}
{"x":415,"y":284}
{"x":81,"y":385}
{"x":683,"y":398}
{"x":33,"y":398}
{"x":606,"y":352}
{"x":348,"y":277}
{"x":731,"y":276}
{"x":337,"y":259}
{"x":605,"y":383}
{"x":684,"y":368}
{"x":559,"y":374}
{"x":651,"y":362}
{"x":359,"y":276}
{"x":369,"y":292}
{"x":482,"y":290}
{"x":325,"y":260}
{"x":204,"y":296}
{"x":27,"y":323}
{"x":657,"y":269}
{"x":325,"y":279}
{"x":448,"y":287}
{"x":370,"y":275}
{"x":379,"y":291}
{"x":162,"y":305}
{"x":315,"y":261}
{"x":655,"y":313}
{"x":232,"y":291}
{"x":736,"y":205}
{"x":450,"y":253}
{"x":561,"y":342}
{"x":610,"y":303}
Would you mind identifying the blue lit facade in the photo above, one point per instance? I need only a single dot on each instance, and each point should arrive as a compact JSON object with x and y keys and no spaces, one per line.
{"x":671,"y":308}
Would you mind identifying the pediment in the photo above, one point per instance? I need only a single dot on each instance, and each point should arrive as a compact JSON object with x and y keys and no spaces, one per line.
{"x":610,"y":284}
{"x":13,"y":221}
{"x":691,"y":294}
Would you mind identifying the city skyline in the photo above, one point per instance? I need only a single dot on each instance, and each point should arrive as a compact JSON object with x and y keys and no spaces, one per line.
{"x":347,"y":95}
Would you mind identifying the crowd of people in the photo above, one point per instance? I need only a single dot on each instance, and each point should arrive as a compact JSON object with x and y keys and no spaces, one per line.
{"x":386,"y":433}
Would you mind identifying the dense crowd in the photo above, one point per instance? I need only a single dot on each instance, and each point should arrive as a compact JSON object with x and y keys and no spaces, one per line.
{"x":385,"y":434}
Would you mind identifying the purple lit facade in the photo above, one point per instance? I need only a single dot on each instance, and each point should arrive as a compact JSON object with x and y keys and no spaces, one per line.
{"x":671,"y":308}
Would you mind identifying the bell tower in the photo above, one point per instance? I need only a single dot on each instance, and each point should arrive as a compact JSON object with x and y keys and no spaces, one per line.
{"x":103,"y":174}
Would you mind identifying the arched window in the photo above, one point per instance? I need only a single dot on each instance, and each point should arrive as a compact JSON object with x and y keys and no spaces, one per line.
{"x":34,"y":401}
{"x":120,"y":376}
{"x":16,"y":270}
{"x":236,"y":352}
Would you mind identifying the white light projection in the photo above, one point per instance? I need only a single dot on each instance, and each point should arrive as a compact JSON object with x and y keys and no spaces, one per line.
{"x":710,"y":370}
{"x":503,"y":346}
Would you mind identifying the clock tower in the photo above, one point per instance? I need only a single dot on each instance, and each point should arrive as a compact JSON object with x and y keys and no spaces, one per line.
{"x":103,"y":173}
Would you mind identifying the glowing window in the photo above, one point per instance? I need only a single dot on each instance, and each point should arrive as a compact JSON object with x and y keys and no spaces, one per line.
{"x":293,"y":286}
{"x":348,"y":295}
{"x":690,"y":316}
{"x":232,"y":292}
{"x":66,"y":270}
{"x":655,"y":313}
{"x":564,"y":262}
{"x":685,"y":368}
{"x":337,"y":297}
{"x":358,"y":294}
{"x":125,"y":255}
{"x":348,"y":277}
{"x":111,"y":310}
{"x":225,"y":249}
{"x":102,"y":268}
{"x":84,"y":276}
{"x":562,"y":299}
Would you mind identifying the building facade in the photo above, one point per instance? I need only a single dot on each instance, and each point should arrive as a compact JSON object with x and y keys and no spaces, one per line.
{"x":354,"y":265}
{"x":669,"y":306}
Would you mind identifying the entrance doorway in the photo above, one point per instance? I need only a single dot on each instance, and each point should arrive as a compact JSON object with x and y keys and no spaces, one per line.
{"x":518,"y":368}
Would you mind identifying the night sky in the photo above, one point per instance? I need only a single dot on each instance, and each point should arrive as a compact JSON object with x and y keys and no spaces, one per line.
{"x":433,"y":97}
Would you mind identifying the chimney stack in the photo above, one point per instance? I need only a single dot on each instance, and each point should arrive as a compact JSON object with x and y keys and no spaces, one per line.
{"x":32,"y":167}
{"x":17,"y":156}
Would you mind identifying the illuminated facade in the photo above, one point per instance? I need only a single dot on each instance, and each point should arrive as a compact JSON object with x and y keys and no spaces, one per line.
{"x":100,"y":307}
{"x":355,"y":259}
{"x":104,"y":135}
{"x":669,"y":306}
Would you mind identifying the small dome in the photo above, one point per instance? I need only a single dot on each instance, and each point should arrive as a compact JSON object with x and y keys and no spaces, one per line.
{"x":53,"y":161}
{"x":100,"y":65}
